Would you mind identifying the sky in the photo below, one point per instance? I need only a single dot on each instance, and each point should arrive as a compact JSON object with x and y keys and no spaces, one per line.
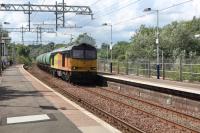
{"x":126,"y":16}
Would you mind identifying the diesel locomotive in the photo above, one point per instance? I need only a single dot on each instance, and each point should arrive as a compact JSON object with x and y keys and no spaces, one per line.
{"x":74,"y":63}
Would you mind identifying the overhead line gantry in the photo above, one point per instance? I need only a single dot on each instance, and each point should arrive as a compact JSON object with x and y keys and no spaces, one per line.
{"x":38,"y":30}
{"x":58,"y":9}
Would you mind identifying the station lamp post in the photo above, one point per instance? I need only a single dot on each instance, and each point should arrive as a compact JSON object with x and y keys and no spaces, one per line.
{"x":157,"y":40}
{"x":1,"y":35}
{"x":111,"y":41}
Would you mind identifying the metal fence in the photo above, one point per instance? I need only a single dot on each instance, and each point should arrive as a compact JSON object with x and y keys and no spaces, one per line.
{"x":180,"y":69}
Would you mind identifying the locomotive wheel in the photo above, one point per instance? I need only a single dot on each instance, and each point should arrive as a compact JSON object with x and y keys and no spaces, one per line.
{"x":64,"y":76}
{"x":54,"y":73}
{"x":68,"y":77}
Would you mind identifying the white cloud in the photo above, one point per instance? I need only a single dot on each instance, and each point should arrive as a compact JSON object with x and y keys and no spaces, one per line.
{"x":182,"y":12}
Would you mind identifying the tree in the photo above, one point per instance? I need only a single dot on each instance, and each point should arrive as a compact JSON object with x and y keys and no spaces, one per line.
{"x":23,"y":54}
{"x":86,"y":38}
{"x":174,"y":38}
{"x":23,"y":50}
{"x":102,"y":52}
{"x":143,"y":43}
{"x":119,"y":50}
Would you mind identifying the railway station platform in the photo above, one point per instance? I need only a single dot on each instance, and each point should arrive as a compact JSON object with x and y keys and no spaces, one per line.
{"x":29,"y":106}
{"x":183,"y":89}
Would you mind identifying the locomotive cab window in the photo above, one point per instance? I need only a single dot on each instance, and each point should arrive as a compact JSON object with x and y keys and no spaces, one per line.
{"x":90,"y":54}
{"x":79,"y":54}
{"x":84,"y":51}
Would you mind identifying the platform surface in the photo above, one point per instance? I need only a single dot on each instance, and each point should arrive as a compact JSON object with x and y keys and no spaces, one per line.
{"x":173,"y":85}
{"x":29,"y":106}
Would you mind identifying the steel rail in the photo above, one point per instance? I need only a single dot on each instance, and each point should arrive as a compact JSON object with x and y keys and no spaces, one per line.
{"x":129,"y":106}
{"x":154,"y":104}
{"x":124,"y":126}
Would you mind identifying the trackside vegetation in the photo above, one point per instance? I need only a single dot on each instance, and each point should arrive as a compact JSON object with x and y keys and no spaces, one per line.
{"x":177,"y":42}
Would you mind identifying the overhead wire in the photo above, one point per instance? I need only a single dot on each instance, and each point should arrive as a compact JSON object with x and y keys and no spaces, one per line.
{"x":115,"y":10}
{"x":120,"y":8}
{"x":94,"y":3}
{"x":140,"y":16}
{"x":160,"y":10}
{"x":34,"y":16}
{"x":144,"y":15}
{"x":103,"y":9}
{"x":112,"y":11}
{"x":112,"y":6}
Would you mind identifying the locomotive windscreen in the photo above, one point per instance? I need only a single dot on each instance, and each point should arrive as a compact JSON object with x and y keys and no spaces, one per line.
{"x":90,"y":54}
{"x":84,"y":52}
{"x":78,"y":54}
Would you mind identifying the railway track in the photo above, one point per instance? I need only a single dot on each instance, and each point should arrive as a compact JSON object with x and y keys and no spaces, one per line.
{"x":140,"y":112}
{"x":180,"y":127}
{"x":174,"y":103}
{"x":122,"y":115}
{"x":113,"y":120}
{"x":173,"y":116}
{"x":120,"y":124}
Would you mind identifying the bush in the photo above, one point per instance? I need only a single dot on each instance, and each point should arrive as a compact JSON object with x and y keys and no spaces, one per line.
{"x":24,"y":60}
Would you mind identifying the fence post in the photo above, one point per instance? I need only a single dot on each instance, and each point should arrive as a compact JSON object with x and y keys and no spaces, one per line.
{"x":104,"y":66}
{"x":111,"y":65}
{"x":163,"y":70}
{"x":137,"y":64}
{"x":149,"y":68}
{"x":191,"y":70}
{"x":181,"y":70}
{"x":98,"y":65}
{"x":163,"y":66}
{"x":127,"y":67}
{"x":118,"y":67}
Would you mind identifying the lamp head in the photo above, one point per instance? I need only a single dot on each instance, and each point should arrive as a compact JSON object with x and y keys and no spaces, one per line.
{"x":104,"y":24}
{"x":147,"y":9}
{"x":6,"y":23}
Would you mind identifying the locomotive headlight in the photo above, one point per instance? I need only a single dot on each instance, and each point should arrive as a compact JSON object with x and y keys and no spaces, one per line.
{"x":93,"y":68}
{"x":74,"y":68}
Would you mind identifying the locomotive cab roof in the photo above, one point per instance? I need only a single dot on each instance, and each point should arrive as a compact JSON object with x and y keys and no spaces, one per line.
{"x":74,"y":46}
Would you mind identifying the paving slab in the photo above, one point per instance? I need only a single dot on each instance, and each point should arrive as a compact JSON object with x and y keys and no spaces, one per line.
{"x":18,"y":98}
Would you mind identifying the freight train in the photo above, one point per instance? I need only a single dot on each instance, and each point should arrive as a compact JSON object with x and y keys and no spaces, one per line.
{"x":74,"y":63}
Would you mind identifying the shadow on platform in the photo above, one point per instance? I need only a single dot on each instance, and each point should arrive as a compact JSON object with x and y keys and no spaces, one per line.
{"x":6,"y":93}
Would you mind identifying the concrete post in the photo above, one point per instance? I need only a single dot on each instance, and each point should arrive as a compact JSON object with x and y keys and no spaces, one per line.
{"x":104,"y":66}
{"x":181,"y":69}
{"x":127,"y":67}
{"x":137,"y":68}
{"x":149,"y":68}
{"x":118,"y":67}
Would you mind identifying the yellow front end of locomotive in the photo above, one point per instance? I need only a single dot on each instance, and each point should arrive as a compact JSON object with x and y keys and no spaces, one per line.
{"x":70,"y":64}
{"x":83,"y":65}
